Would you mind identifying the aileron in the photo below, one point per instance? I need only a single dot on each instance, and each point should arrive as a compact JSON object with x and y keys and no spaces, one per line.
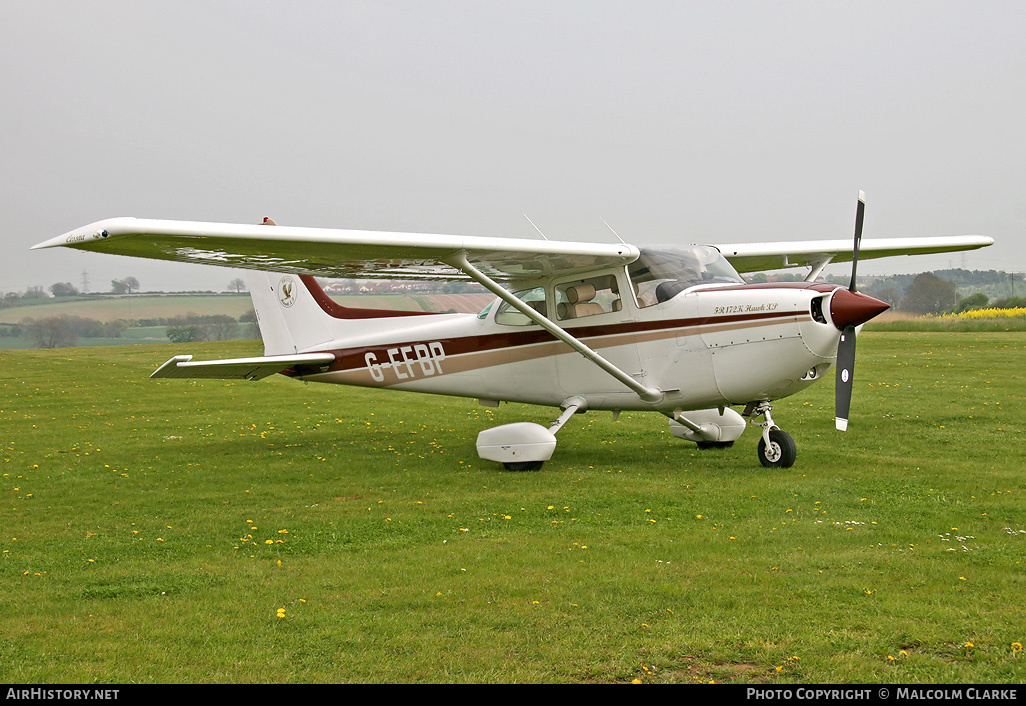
{"x":757,"y":257}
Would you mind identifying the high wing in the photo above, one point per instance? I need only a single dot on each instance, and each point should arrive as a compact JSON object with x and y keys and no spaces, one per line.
{"x":757,"y":257}
{"x":337,"y":253}
{"x":332,"y":253}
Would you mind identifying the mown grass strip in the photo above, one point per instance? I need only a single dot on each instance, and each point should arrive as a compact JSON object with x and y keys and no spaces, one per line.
{"x":201,"y":531}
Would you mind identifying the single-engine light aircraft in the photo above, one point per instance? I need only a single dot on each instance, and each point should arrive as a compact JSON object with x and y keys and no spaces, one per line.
{"x":575,"y":326}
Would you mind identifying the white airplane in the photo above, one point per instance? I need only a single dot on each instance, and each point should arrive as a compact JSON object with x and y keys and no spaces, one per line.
{"x":578,"y":326}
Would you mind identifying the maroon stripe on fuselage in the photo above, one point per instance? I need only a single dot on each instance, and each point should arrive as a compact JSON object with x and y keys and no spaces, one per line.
{"x":332,"y":308}
{"x":817,"y":286}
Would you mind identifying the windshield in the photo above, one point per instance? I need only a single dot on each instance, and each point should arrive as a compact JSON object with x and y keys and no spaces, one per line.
{"x":658,"y":275}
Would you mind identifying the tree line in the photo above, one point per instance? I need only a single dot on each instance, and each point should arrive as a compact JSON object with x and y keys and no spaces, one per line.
{"x":206,"y":327}
{"x":63,"y":290}
{"x":949,"y":291}
{"x":938,"y":292}
{"x":65,"y":330}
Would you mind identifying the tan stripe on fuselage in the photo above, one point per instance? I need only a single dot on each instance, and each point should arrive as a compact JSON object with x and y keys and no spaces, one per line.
{"x":468,"y":362}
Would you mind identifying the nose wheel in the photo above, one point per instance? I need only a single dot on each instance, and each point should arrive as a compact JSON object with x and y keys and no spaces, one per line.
{"x":776,"y":447}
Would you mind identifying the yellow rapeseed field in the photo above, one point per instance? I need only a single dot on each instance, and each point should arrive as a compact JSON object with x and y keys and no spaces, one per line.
{"x":985,"y":314}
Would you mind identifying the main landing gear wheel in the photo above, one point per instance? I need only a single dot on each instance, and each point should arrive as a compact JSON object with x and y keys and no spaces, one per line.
{"x":780,"y":452}
{"x":714,"y":444}
{"x":523,"y":465}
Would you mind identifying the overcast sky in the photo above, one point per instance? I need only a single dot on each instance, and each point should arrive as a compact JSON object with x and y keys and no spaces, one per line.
{"x":675,"y":121}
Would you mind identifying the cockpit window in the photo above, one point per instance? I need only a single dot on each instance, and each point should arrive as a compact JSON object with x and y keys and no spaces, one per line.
{"x":598,"y":295}
{"x":658,"y":275}
{"x":510,"y":316}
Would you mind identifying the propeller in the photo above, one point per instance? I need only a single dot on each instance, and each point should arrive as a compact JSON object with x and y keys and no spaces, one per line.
{"x":849,"y":309}
{"x":860,"y":215}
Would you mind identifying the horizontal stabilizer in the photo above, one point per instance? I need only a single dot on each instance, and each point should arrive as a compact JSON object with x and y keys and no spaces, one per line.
{"x":182,"y":366}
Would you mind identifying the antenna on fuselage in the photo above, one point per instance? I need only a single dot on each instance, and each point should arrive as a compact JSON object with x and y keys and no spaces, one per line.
{"x":535,"y":227}
{"x":612,"y":231}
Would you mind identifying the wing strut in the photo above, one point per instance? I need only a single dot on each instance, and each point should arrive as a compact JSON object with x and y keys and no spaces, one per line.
{"x":817,"y":265}
{"x":459,"y":261}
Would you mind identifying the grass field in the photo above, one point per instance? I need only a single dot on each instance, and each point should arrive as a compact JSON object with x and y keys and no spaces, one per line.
{"x":201,"y":531}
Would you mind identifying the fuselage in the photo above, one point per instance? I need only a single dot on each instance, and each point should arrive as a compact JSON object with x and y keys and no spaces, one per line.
{"x":706,"y":345}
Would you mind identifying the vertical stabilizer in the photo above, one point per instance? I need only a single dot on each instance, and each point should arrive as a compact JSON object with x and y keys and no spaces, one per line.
{"x":290,"y":320}
{"x":295,"y":315}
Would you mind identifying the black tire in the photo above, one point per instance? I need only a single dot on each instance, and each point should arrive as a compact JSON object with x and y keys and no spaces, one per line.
{"x":781,"y":452}
{"x":523,"y":465}
{"x":715,"y":444}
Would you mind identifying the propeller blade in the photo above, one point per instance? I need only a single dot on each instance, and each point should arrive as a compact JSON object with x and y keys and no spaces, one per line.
{"x":848,"y":310}
{"x":860,"y":214}
{"x":845,"y":374}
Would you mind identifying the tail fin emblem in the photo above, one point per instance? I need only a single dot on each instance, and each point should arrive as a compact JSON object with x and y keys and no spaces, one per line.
{"x":287,"y":291}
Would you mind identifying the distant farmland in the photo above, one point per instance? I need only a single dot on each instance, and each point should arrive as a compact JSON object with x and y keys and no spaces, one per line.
{"x":156,"y":306}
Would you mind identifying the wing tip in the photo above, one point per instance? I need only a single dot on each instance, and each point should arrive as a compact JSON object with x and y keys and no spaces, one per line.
{"x":79,"y":237}
{"x":168,"y":369}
